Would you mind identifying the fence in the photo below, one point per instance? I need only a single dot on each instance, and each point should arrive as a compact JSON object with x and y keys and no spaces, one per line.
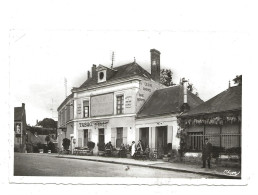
{"x":195,"y":140}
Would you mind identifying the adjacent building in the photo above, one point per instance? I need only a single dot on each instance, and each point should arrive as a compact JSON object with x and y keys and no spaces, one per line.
{"x":218,"y":119}
{"x":156,"y":122}
{"x":20,"y":128}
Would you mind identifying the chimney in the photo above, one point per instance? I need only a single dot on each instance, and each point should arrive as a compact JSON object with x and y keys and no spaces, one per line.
{"x":94,"y":71}
{"x":155,"y":65}
{"x":88,"y":74}
{"x":23,"y":105}
{"x":185,"y":90}
{"x":185,"y":106}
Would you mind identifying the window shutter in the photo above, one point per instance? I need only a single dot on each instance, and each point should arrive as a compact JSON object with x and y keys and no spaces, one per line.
{"x":125,"y":135}
{"x":113,"y":136}
{"x":89,"y":134}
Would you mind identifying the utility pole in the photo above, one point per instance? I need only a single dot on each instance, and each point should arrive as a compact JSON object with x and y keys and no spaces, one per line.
{"x":112,"y":59}
{"x":65,"y":84}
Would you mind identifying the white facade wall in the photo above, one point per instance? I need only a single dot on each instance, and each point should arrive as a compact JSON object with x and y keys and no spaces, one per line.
{"x":170,"y":121}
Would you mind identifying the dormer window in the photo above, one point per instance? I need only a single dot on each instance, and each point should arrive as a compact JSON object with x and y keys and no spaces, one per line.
{"x":102,"y":76}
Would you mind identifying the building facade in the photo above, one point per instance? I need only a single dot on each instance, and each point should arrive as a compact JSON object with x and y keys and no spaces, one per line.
{"x":20,"y":126}
{"x":156,"y":122}
{"x":104,"y":107}
{"x":218,"y":119}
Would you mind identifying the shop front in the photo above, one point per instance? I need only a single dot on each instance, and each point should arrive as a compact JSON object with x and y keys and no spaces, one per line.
{"x":159,"y":134}
{"x":118,"y":130}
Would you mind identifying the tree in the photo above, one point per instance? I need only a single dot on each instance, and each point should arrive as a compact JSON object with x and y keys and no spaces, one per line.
{"x":166,"y":77}
{"x":238,"y":80}
{"x":190,"y":87}
{"x":48,"y":123}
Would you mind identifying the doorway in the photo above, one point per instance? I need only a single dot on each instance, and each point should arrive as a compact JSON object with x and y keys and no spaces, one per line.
{"x":101,"y":136}
{"x":86,"y":137}
{"x":161,"y":140}
{"x":144,"y":136}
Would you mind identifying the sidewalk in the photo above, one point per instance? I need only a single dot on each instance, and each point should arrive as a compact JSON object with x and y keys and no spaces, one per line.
{"x":222,"y":172}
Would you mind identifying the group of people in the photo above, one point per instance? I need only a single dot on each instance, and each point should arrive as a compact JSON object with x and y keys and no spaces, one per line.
{"x":134,"y":149}
{"x":138,"y":149}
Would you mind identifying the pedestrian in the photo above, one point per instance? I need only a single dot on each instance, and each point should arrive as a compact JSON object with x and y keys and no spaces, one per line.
{"x":139,"y":146}
{"x":133,"y":148}
{"x":206,"y":153}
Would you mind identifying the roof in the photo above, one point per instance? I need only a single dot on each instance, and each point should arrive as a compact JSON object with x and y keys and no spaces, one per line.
{"x":38,"y":139}
{"x":18,"y":111}
{"x":65,"y":101}
{"x":121,"y":72}
{"x":228,"y":100}
{"x":167,"y":101}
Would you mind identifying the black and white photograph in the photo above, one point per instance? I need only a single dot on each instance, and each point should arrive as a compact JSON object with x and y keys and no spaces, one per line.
{"x":130,"y":93}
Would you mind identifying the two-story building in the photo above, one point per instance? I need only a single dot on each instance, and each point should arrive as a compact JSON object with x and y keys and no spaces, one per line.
{"x":20,"y":128}
{"x":104,"y":107}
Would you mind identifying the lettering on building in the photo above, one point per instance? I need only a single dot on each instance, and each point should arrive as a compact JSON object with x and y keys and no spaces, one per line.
{"x":128,"y":101}
{"x":95,"y":124}
{"x":79,"y":109}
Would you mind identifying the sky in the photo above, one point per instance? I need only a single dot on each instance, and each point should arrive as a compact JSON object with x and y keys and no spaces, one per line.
{"x":53,"y":41}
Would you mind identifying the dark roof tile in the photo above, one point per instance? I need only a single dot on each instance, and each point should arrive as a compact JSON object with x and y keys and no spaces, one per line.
{"x":121,"y":72}
{"x":167,"y":101}
{"x":228,"y":100}
{"x":18,"y":111}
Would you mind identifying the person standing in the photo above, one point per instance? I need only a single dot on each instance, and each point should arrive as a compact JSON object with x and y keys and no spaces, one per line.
{"x":206,"y":153}
{"x":133,"y":148}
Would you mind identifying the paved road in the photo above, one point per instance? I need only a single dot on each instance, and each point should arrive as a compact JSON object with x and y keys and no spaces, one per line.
{"x":43,"y":165}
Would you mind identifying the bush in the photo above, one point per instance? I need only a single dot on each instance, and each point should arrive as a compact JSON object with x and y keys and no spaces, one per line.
{"x":234,"y":150}
{"x":66,"y":143}
{"x":101,"y":146}
{"x":91,"y":145}
{"x":52,"y":147}
{"x":216,"y":150}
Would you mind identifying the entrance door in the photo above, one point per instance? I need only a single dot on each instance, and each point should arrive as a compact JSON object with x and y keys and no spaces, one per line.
{"x":161,"y":139}
{"x":101,"y":136}
{"x":86,"y":137}
{"x":144,"y":136}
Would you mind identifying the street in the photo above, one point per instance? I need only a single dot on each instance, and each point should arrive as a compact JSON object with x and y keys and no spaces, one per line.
{"x":49,"y":165}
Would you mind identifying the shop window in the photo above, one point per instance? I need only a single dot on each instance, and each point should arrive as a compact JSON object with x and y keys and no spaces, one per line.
{"x":119,"y":136}
{"x":120,"y":104}
{"x":86,"y":109}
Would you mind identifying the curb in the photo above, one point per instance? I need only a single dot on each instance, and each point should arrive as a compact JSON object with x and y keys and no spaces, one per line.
{"x":156,"y":167}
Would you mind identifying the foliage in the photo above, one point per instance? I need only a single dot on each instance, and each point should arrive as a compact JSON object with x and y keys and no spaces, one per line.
{"x":166,"y":77}
{"x":47,"y":139}
{"x":238,"y":80}
{"x":216,"y":150}
{"x":213,"y":120}
{"x":91,"y":145}
{"x":66,"y":143}
{"x":101,"y":146}
{"x":48,"y":123}
{"x":234,"y":150}
{"x":51,"y":146}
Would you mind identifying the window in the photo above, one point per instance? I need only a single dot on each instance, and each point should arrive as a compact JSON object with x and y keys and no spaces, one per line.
{"x":119,"y":136}
{"x":101,"y":75}
{"x":195,"y":141}
{"x":86,"y":109}
{"x":120,"y":104}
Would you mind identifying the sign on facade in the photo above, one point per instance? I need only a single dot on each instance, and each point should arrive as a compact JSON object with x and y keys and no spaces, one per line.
{"x":102,"y":105}
{"x":95,"y":124}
